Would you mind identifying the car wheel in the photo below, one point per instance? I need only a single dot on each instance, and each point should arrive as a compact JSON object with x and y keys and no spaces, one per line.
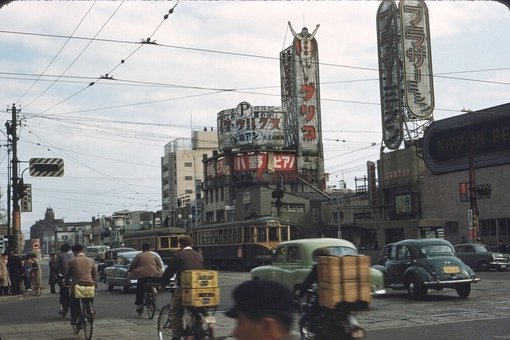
{"x":483,"y":266}
{"x":464,"y":290}
{"x":415,"y":289}
{"x":110,"y":287}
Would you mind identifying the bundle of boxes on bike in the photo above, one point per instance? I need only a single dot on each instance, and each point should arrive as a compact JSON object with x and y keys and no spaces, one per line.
{"x":200,"y":288}
{"x":344,"y":282}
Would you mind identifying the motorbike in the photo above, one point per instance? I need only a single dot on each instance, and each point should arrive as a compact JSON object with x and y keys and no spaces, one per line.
{"x":316,"y":322}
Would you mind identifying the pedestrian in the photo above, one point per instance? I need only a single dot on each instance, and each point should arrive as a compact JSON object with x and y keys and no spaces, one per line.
{"x":5,"y":280}
{"x":15,"y":267}
{"x":502,"y":247}
{"x":145,"y":266}
{"x":53,"y":278}
{"x":62,"y":261}
{"x":186,"y":259}
{"x":263,"y":310}
{"x":463,"y":240}
{"x":36,"y":274}
{"x":81,"y":270}
{"x":27,"y":273}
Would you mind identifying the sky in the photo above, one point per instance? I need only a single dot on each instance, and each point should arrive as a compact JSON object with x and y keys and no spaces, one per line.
{"x":90,"y":92}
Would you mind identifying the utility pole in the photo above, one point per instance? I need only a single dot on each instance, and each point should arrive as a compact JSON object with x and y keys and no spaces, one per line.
{"x":11,"y":130}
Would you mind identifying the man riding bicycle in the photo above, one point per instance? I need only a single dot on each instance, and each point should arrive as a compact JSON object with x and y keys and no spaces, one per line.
{"x":81,"y":270}
{"x":186,"y":259}
{"x":145,"y":266}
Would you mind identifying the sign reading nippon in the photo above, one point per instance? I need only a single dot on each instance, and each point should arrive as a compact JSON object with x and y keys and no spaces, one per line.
{"x":449,"y":143}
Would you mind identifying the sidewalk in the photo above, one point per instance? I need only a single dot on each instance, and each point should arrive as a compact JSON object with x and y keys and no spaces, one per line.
{"x":133,"y":328}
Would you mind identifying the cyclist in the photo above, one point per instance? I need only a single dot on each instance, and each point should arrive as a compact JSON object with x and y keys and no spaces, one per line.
{"x":186,"y":259}
{"x":144,"y":266}
{"x":81,"y":270}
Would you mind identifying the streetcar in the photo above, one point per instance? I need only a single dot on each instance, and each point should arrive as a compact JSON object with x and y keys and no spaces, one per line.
{"x":164,"y":241}
{"x":240,"y":245}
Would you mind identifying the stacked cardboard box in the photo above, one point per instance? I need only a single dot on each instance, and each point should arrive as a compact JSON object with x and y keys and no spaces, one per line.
{"x":344,"y":282}
{"x":199,"y":288}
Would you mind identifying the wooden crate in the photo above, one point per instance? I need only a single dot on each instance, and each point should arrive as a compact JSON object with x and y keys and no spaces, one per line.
{"x":199,"y":279}
{"x":201,"y":297}
{"x":353,"y":295}
{"x":336,"y":269}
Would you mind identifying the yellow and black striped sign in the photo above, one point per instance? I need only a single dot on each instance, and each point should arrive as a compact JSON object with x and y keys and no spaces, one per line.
{"x":46,"y":167}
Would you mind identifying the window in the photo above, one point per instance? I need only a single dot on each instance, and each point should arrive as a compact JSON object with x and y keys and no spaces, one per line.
{"x":188,"y":191}
{"x":294,"y":254}
{"x":403,"y":253}
{"x":188,"y":164}
{"x":279,"y":255}
{"x":188,"y":178}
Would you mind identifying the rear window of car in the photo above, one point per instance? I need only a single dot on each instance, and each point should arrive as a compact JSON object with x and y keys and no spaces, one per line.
{"x":336,"y":251}
{"x":436,"y":249}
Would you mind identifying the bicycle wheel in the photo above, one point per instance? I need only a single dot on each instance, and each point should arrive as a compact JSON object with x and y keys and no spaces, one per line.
{"x":150,"y":302}
{"x":88,"y":325}
{"x":77,"y":327}
{"x":164,"y":324}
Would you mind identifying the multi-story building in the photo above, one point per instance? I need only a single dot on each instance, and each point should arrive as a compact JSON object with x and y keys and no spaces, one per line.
{"x":182,"y":173}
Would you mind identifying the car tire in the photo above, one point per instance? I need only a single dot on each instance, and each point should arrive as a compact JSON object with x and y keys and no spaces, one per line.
{"x":110,"y":287}
{"x":464,"y":290}
{"x":483,"y":266}
{"x":415,"y":289}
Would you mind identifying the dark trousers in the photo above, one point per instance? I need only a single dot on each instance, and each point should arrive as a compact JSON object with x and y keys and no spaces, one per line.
{"x":64,"y":296}
{"x":4,"y":290}
{"x":74,"y":305}
{"x":15,"y":284}
{"x":140,"y":287}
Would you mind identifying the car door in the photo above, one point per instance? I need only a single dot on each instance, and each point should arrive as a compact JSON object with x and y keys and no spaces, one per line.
{"x":402,"y":261}
{"x":468,"y":255}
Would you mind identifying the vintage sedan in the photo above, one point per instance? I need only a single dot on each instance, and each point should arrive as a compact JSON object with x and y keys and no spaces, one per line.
{"x":117,"y":274}
{"x":422,"y":264}
{"x":479,"y":256}
{"x":293,"y":260}
{"x":110,"y":257}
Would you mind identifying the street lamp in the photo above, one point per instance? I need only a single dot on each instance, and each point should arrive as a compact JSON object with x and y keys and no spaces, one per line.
{"x":185,"y":220}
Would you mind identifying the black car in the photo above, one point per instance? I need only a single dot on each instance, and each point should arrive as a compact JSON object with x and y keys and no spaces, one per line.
{"x":109,"y":259}
{"x":481,"y":257}
{"x":417,"y":265}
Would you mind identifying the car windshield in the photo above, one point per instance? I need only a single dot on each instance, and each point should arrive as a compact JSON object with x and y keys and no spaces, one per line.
{"x":435,"y":249}
{"x":336,"y":251}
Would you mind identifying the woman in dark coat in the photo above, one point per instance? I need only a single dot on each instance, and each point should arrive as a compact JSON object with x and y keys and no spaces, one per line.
{"x":53,"y":278}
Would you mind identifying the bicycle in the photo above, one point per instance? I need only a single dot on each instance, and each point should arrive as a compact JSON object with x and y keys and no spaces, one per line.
{"x":150,"y":297}
{"x":198,"y":323}
{"x":86,"y":319}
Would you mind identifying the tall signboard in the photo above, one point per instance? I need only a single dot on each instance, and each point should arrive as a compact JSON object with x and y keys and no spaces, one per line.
{"x":416,"y":58}
{"x":299,"y":69}
{"x":389,"y":74}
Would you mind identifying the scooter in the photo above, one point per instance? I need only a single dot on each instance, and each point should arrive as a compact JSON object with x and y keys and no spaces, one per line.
{"x":316,"y":322}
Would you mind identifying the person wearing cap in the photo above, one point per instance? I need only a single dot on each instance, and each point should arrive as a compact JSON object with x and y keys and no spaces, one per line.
{"x":263,"y":310}
{"x":186,"y":259}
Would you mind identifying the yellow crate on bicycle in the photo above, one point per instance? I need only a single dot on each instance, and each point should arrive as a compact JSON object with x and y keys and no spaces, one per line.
{"x":199,"y":279}
{"x":201,"y":297}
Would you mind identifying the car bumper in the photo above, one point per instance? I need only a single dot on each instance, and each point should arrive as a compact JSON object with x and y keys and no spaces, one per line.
{"x":499,"y":264}
{"x":449,"y":284}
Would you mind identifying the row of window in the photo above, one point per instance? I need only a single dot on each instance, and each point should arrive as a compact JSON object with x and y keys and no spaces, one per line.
{"x":239,"y":235}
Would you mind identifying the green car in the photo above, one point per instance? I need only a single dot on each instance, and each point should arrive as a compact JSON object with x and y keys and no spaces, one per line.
{"x":293,"y":260}
{"x":417,"y":265}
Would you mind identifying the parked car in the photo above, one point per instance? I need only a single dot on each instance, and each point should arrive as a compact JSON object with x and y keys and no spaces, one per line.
{"x":293,"y":260}
{"x":481,"y":257}
{"x":110,"y":257}
{"x":117,"y":274}
{"x":422,"y":264}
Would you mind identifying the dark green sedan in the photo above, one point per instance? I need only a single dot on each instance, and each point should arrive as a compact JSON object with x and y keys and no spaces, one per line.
{"x":417,"y":265}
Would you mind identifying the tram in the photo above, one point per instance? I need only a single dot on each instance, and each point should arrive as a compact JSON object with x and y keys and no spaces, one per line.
{"x":240,"y":245}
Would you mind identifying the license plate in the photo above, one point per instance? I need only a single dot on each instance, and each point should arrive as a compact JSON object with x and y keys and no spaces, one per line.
{"x":451,"y":270}
{"x":503,"y":266}
{"x":210,"y":319}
